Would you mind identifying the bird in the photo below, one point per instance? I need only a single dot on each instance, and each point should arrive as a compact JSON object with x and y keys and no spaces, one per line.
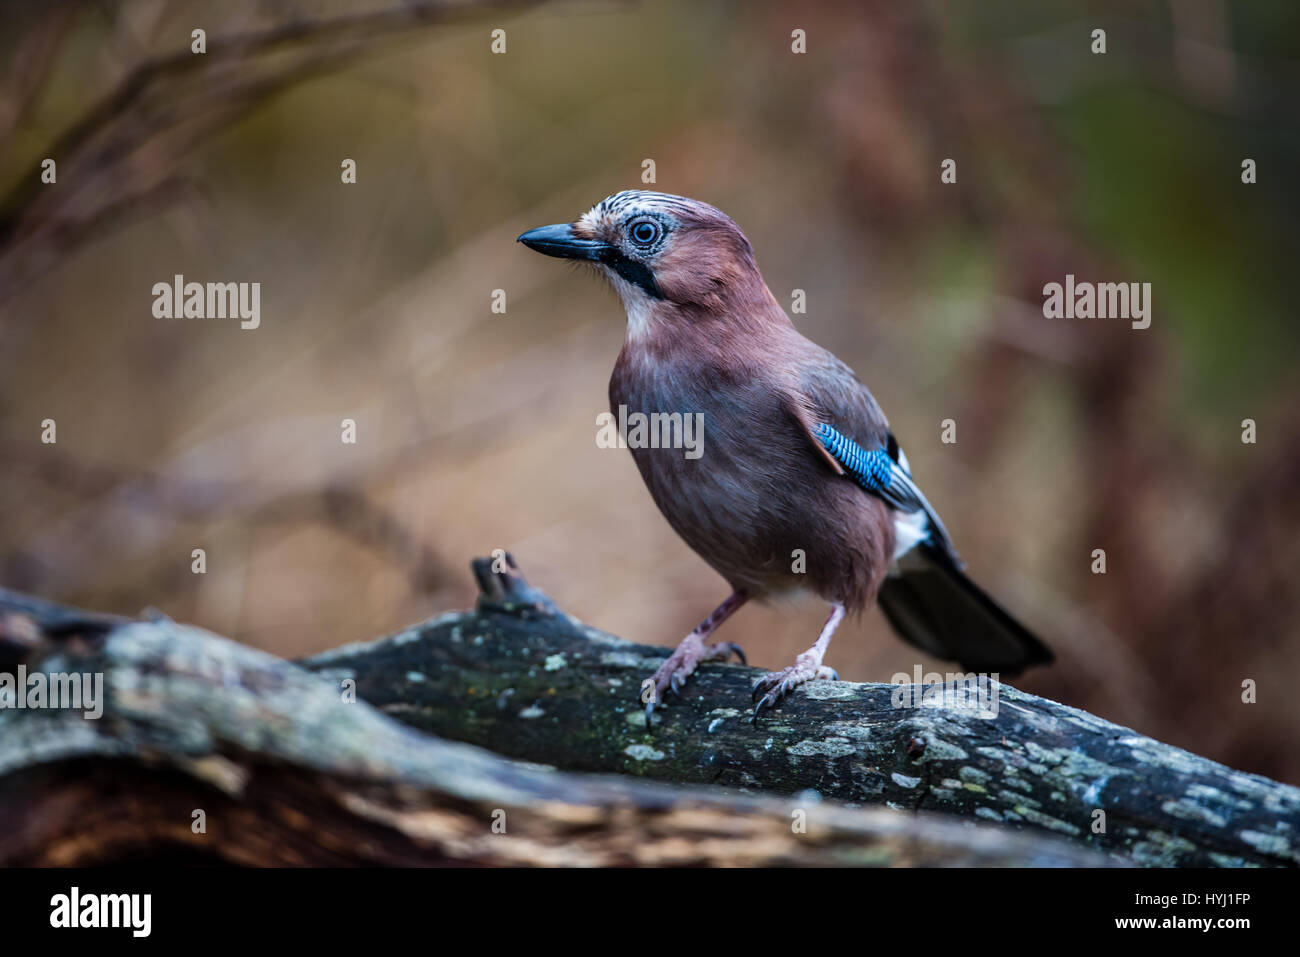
{"x":799,"y":485}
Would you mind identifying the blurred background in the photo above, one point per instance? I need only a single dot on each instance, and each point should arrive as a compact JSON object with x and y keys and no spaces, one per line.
{"x":476,"y":430}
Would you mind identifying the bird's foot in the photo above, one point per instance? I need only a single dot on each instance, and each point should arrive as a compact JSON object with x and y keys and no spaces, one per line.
{"x":775,"y":685}
{"x":678,"y":666}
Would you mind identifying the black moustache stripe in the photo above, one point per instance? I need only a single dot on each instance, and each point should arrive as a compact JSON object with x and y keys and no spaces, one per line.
{"x":638,"y":274}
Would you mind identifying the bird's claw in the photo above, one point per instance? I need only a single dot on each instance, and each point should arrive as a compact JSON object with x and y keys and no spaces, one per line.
{"x":730,"y":647}
{"x":681,"y":664}
{"x":775,"y":685}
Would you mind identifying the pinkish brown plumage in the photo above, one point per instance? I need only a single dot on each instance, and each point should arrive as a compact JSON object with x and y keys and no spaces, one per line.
{"x":706,"y":337}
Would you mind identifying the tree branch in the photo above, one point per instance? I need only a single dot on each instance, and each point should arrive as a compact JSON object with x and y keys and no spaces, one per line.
{"x":287,"y":771}
{"x":521,"y":678}
{"x":281,"y":769}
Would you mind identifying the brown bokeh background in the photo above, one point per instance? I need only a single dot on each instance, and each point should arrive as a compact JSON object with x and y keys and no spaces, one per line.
{"x":476,"y":430}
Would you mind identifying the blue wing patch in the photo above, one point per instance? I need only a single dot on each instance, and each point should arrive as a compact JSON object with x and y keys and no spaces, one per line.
{"x":877,"y":472}
{"x":873,"y":470}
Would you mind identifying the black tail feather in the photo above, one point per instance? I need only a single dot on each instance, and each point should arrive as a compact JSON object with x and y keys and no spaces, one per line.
{"x":935,"y":607}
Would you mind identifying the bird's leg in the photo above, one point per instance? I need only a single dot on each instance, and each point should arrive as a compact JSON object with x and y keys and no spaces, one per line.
{"x":807,"y":667}
{"x":679,"y":665}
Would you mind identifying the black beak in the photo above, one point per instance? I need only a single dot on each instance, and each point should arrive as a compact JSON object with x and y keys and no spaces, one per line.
{"x":559,"y":241}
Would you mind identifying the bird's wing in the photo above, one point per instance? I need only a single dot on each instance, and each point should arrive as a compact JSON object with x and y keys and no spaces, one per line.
{"x":887,"y":478}
{"x":846,"y":427}
{"x":927,"y":597}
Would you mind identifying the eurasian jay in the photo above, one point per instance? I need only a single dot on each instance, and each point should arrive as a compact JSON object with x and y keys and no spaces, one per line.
{"x":800,"y":486}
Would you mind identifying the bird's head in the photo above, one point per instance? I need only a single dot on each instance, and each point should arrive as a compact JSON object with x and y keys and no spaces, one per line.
{"x":660,"y":252}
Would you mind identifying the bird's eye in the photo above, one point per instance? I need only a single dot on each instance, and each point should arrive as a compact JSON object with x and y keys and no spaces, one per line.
{"x":645,"y":232}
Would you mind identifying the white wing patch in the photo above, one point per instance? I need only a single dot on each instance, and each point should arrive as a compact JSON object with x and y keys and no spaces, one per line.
{"x":902,"y":460}
{"x":910,"y":529}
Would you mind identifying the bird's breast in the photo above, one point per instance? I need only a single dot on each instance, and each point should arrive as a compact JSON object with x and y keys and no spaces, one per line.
{"x":747,"y":493}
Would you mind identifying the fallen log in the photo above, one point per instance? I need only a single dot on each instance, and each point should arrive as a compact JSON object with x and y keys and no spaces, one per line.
{"x":287,"y":767}
{"x":521,"y":678}
{"x":206,"y":751}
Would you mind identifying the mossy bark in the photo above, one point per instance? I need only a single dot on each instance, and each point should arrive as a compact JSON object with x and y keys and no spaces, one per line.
{"x":520,"y":678}
{"x":288,"y":767}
